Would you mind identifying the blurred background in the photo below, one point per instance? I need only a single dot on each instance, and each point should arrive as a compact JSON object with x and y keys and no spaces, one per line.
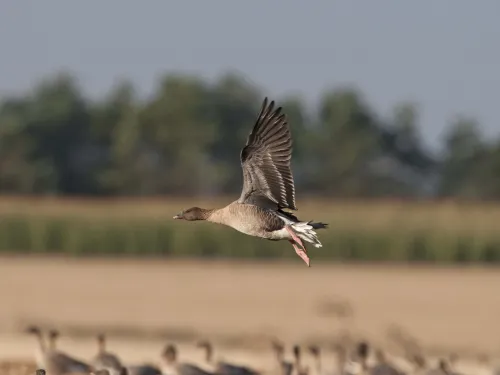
{"x":114,"y":116}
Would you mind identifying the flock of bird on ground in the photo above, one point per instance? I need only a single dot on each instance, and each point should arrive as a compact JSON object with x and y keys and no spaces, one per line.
{"x":356,"y":358}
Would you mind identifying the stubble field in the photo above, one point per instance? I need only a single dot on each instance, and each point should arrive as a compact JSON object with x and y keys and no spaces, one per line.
{"x":144,"y":304}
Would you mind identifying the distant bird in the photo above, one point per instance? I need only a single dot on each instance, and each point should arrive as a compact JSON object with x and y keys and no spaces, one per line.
{"x":53,"y":336}
{"x":340,"y":352}
{"x":105,"y":360}
{"x":419,"y":363}
{"x":285,"y":367}
{"x":383,"y":367}
{"x":141,"y":369}
{"x":299,"y":369}
{"x":268,"y":188}
{"x":54,"y":361}
{"x":40,"y":356}
{"x":357,"y":362}
{"x":315,"y":351}
{"x":173,"y":367}
{"x":443,"y":368}
{"x":223,"y":367}
{"x":144,"y":369}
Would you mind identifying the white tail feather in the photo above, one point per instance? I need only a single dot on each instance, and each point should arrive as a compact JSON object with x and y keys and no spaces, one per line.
{"x":306,"y":232}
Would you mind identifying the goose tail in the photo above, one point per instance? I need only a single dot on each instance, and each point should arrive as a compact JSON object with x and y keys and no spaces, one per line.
{"x":306,"y":231}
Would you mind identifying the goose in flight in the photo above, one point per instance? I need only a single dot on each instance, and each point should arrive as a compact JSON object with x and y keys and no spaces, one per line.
{"x":268,"y":188}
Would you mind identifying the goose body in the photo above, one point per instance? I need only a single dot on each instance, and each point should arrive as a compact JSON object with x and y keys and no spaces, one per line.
{"x":284,"y":367}
{"x":143,"y":370}
{"x":54,"y":361}
{"x":223,"y":367}
{"x":62,"y":361}
{"x":268,"y":188}
{"x":172,"y":367}
{"x":105,"y":360}
{"x":383,"y":366}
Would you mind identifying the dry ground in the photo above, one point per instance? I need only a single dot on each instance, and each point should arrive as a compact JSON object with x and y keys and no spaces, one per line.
{"x":230,"y":301}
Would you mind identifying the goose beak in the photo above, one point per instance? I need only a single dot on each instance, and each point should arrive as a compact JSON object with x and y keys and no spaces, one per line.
{"x":178,"y":216}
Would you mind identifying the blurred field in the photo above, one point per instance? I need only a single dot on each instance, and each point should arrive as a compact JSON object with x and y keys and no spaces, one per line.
{"x":450,"y":216}
{"x":80,"y":270}
{"x":398,"y":231}
{"x":240,"y":305}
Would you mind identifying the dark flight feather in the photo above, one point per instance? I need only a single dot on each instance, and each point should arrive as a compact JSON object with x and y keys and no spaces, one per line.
{"x":265,"y":160}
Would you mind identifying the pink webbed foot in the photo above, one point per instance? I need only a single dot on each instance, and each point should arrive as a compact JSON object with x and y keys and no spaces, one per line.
{"x":301,"y":253}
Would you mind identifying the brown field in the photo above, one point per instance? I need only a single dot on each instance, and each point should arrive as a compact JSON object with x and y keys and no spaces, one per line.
{"x":144,"y":303}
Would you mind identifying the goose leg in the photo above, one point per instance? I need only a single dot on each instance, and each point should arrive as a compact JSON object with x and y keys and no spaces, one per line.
{"x":301,"y":251}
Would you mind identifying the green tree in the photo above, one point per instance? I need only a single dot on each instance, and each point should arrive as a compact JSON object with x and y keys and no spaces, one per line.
{"x":179,"y":127}
{"x":187,"y":136}
{"x":235,"y":104}
{"x":58,"y":121}
{"x":464,"y":155}
{"x":346,"y":142}
{"x":117,"y":132}
{"x":20,"y":173}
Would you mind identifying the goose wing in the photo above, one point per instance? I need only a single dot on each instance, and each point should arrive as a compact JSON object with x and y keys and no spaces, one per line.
{"x":69,"y":364}
{"x":265,"y":160}
{"x":107,"y":360}
{"x":189,"y":369}
{"x":230,"y":369}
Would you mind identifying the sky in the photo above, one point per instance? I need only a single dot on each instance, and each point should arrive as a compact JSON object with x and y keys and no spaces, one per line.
{"x":442,"y":55}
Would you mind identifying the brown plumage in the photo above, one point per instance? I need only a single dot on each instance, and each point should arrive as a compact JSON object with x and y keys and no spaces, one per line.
{"x":265,"y":159}
{"x":284,"y":367}
{"x":316,"y":353}
{"x":55,"y":361}
{"x":299,"y":369}
{"x":223,"y":367}
{"x":268,"y":188}
{"x":105,"y":360}
{"x":171,"y":365}
{"x":383,"y":367}
{"x":53,"y":336}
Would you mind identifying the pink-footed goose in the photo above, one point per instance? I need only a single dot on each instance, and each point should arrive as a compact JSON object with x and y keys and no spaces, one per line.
{"x":383,"y":366}
{"x":171,"y":365}
{"x":284,"y":367}
{"x":298,"y":367}
{"x":360,"y":361}
{"x":223,"y":367}
{"x":318,"y":369}
{"x":105,"y":360}
{"x":268,"y":188}
{"x":54,"y":361}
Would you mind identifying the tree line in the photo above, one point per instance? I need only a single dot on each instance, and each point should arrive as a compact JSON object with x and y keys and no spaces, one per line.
{"x":185,"y":139}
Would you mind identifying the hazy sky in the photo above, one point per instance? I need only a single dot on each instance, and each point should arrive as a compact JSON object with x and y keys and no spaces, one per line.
{"x":445,"y":55}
